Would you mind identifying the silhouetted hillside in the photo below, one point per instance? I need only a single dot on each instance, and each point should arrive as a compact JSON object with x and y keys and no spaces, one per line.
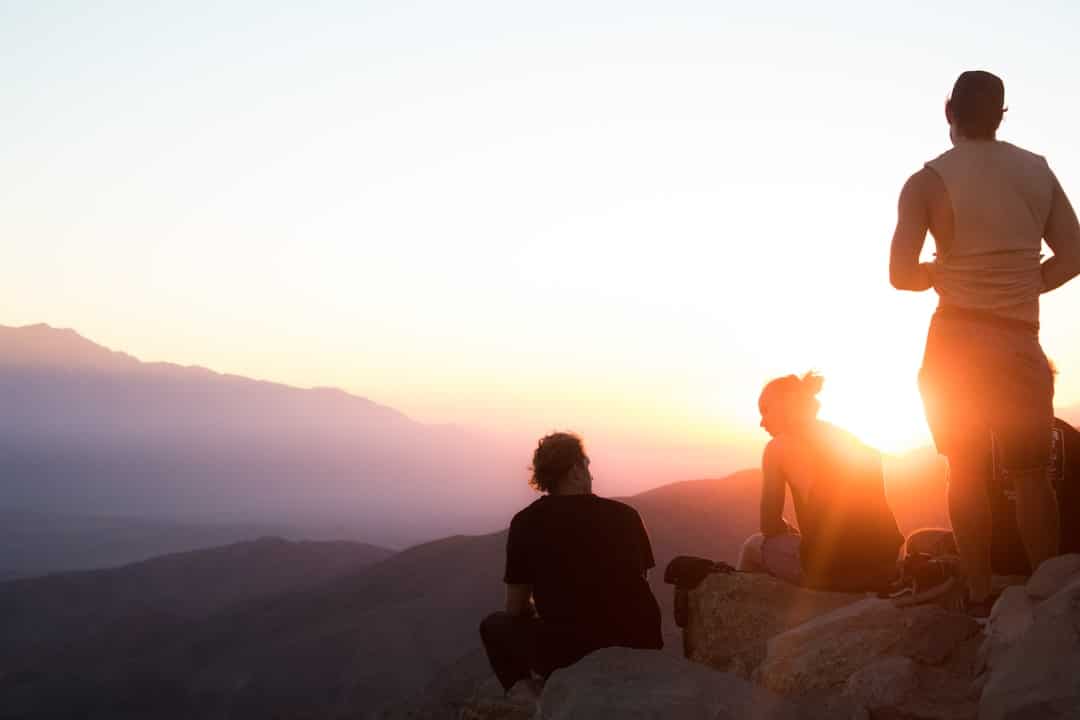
{"x":78,"y":609}
{"x":37,"y":543}
{"x":91,"y":431}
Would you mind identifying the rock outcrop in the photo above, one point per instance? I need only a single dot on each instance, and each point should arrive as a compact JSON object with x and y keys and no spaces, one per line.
{"x":632,"y":684}
{"x":1031,"y":655}
{"x":826,"y":655}
{"x":836,"y":651}
{"x":733,"y":616}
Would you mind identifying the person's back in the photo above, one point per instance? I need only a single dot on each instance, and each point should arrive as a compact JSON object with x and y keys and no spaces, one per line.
{"x":585,"y":558}
{"x":847,"y":538}
{"x":575,"y":573}
{"x":850,"y":536}
{"x":997,"y":200}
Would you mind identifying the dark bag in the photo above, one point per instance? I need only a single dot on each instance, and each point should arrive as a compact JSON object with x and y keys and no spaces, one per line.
{"x":686,"y":572}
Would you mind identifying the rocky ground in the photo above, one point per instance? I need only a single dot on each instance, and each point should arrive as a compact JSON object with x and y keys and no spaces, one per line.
{"x":758,"y":648}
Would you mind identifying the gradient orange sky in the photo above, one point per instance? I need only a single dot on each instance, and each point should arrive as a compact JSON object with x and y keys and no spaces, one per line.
{"x":587,"y":215}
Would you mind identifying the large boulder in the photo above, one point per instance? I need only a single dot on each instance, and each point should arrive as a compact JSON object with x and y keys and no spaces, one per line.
{"x":639,"y":684}
{"x":733,"y":616}
{"x":827,"y":651}
{"x":1032,"y":650}
{"x":913,"y":663}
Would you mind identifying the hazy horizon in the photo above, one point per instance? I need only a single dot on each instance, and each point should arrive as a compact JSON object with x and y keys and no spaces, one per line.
{"x":590,"y":216}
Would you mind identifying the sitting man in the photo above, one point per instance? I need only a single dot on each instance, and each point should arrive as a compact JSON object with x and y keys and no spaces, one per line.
{"x":575,"y":574}
{"x":847,"y":538}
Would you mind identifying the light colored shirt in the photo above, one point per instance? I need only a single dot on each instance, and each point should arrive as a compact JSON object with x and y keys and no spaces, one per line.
{"x":1001,"y":197}
{"x":989,"y":205}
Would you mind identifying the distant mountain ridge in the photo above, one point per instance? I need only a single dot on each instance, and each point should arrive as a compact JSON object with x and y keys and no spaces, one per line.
{"x":64,"y":608}
{"x":91,"y":430}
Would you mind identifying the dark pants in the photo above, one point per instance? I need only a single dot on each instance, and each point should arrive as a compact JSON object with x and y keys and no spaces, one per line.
{"x":511,"y":645}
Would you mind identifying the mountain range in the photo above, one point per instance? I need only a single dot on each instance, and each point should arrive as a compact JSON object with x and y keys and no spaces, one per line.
{"x":92,"y":432}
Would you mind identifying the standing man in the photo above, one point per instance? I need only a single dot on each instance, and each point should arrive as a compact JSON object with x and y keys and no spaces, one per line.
{"x":985,"y":380}
{"x":575,"y":574}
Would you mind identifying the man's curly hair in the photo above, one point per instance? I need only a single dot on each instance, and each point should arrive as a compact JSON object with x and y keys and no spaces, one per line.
{"x":555,"y":455}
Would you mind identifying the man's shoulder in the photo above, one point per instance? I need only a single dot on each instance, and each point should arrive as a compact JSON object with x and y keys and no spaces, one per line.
{"x":615,"y":506}
{"x":1028,"y":155}
{"x":527,"y":512}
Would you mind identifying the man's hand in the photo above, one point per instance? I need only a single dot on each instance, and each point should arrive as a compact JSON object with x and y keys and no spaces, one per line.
{"x":519,"y":600}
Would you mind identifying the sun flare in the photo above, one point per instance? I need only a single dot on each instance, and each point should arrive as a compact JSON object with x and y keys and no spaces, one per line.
{"x":887,"y":416}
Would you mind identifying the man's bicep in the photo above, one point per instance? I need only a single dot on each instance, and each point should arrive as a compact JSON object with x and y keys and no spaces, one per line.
{"x":519,"y":569}
{"x":772,"y":490}
{"x":912,"y":224}
{"x":644,"y":546}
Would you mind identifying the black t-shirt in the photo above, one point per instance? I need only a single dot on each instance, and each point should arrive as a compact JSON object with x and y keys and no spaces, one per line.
{"x":585,"y":558}
{"x":1007,"y":555}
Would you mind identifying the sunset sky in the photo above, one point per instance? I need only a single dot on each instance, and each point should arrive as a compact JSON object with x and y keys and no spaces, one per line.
{"x":617,"y":217}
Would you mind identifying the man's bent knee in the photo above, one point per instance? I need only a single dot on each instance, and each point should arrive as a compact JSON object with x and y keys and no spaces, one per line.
{"x":931,"y":541}
{"x":750,"y":554}
{"x":496,"y":624}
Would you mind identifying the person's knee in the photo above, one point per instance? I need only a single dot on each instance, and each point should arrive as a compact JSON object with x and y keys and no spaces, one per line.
{"x":931,"y":541}
{"x":750,"y":554}
{"x":495,"y":625}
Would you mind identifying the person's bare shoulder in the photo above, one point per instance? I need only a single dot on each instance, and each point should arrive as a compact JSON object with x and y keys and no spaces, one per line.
{"x":923,"y":185}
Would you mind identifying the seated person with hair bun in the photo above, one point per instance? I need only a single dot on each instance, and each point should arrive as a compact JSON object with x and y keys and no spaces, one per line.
{"x":575,"y":574}
{"x":847,"y":539}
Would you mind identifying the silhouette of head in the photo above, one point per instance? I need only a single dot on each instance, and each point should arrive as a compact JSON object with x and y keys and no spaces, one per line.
{"x":560,"y":465}
{"x":976,"y":106}
{"x":790,"y":402}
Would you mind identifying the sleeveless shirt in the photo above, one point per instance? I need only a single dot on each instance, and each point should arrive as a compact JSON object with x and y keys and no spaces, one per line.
{"x":1001,"y":197}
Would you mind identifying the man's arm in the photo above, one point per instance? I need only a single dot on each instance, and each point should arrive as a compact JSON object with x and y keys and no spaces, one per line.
{"x":772,"y":491}
{"x":1062,"y":234}
{"x":645,"y":558}
{"x":519,"y":600}
{"x":912,"y":223}
{"x":519,"y":568}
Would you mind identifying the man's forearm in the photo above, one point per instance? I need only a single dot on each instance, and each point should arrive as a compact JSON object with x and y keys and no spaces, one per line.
{"x":916,"y":277}
{"x":1057,"y":271}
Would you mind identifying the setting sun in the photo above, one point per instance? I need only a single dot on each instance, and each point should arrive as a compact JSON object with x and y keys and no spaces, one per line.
{"x":888,"y":416}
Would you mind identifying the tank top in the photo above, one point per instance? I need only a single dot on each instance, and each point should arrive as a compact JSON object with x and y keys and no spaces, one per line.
{"x":1001,"y":197}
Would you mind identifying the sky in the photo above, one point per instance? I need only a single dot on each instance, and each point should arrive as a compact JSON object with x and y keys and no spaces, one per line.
{"x":619,"y":218}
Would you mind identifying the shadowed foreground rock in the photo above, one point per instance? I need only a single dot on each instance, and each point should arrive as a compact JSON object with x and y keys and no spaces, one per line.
{"x":1032,"y":650}
{"x":638,"y":684}
{"x":837,"y":655}
{"x":733,"y":616}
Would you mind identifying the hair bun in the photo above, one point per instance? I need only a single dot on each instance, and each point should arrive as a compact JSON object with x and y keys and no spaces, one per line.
{"x":811,"y":383}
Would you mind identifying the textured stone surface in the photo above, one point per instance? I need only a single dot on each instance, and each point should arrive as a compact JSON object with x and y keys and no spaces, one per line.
{"x":638,"y":684}
{"x":827,"y":651}
{"x":1038,"y":676}
{"x":884,"y":683}
{"x":733,"y":616}
{"x":1012,"y":616}
{"x":1052,"y":576}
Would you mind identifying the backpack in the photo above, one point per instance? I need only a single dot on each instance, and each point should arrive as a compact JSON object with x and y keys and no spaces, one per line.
{"x":686,"y":572}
